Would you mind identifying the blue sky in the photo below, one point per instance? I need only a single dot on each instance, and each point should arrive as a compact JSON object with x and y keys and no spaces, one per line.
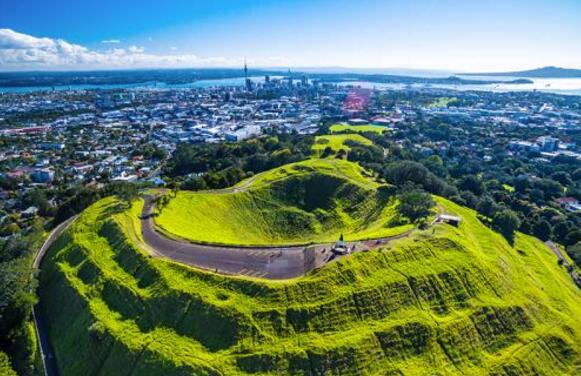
{"x":421,"y":34}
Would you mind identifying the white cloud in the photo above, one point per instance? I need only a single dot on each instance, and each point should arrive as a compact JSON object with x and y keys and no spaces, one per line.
{"x":136,"y":50}
{"x":21,"y":51}
{"x":111,"y":41}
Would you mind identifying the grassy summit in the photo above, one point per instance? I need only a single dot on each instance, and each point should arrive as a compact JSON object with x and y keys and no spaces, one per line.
{"x":310,"y":201}
{"x":446,"y":301}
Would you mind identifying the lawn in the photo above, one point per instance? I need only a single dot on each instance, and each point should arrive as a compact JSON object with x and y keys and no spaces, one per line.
{"x":337,"y":142}
{"x":508,"y":188}
{"x":340,"y":128}
{"x":442,"y":102}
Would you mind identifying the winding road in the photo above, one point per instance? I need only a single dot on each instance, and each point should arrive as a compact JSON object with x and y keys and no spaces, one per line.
{"x":261,"y":262}
{"x":570,"y":269}
{"x":46,"y":352}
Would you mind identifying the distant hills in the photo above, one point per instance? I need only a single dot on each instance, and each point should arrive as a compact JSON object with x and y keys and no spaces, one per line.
{"x":545,"y":72}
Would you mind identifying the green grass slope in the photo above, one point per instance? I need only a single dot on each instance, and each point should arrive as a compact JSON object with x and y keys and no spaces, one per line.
{"x":446,"y":301}
{"x":340,"y":128}
{"x":337,"y":142}
{"x":310,"y":201}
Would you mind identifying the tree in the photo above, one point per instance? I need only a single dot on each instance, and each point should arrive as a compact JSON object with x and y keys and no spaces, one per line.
{"x":327,"y":152}
{"x":9,"y":229}
{"x":542,"y":229}
{"x":575,"y":252}
{"x":550,"y":188}
{"x":576,"y":175}
{"x":562,"y":177}
{"x":469,"y":199}
{"x":125,"y":192}
{"x":196,"y":183}
{"x":79,"y":199}
{"x":561,"y":229}
{"x":574,"y":236}
{"x":5,"y":366}
{"x":487,"y":206}
{"x":506,"y":222}
{"x":473,"y":184}
{"x":415,"y":205}
{"x":176,"y":188}
{"x":521,"y":184}
{"x":402,"y":172}
{"x":37,"y":197}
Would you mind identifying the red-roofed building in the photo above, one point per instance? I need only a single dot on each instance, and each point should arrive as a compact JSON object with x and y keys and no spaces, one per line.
{"x":569,"y":203}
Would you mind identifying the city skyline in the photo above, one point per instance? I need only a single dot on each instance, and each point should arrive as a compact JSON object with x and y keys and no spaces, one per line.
{"x":449,"y":36}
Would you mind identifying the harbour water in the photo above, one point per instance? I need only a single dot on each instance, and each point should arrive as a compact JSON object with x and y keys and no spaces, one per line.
{"x":566,"y":86}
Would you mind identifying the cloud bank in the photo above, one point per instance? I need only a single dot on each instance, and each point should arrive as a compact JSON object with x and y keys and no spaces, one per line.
{"x":20,"y":51}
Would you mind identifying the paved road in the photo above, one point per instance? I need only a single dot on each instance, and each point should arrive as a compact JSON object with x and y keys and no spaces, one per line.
{"x":46,"y":352}
{"x":557,"y":251}
{"x":264,"y":262}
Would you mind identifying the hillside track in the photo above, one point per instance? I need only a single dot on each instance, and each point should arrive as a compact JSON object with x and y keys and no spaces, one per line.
{"x":570,"y":269}
{"x":276,"y":262}
{"x":49,"y":363}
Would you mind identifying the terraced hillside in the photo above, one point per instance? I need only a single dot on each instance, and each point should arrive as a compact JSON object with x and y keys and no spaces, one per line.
{"x":310,"y":201}
{"x":446,"y":301}
{"x":337,"y":142}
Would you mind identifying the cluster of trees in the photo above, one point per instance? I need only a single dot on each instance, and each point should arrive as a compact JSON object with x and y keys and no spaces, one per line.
{"x":212,"y":166}
{"x":520,"y":186}
{"x":81,"y":197}
{"x":415,"y":204}
{"x":17,"y":297}
{"x":512,"y":193}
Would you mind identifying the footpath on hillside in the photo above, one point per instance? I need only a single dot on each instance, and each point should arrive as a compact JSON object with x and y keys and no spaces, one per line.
{"x":264,"y":262}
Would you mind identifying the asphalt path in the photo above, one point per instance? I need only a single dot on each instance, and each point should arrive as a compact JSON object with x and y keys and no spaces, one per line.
{"x":557,"y":251}
{"x":45,"y":347}
{"x":262,"y":262}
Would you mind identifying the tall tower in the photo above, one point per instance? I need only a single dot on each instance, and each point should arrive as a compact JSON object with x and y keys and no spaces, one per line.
{"x":247,"y":81}
{"x":290,"y":78}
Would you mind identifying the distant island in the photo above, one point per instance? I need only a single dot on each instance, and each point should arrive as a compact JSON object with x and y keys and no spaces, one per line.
{"x":408,"y":80}
{"x":545,"y":72}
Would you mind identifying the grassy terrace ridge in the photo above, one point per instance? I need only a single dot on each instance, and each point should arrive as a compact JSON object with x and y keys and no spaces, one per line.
{"x":340,"y":128}
{"x":454,"y":301}
{"x":338,"y":167}
{"x":313,"y":201}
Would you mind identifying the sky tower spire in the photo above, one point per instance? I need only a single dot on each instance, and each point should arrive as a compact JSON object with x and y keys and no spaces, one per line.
{"x":247,"y":81}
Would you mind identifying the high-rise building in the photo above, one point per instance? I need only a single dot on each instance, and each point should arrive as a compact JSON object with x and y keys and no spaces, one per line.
{"x":290,"y":78}
{"x":548,"y":143}
{"x":247,"y":81}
